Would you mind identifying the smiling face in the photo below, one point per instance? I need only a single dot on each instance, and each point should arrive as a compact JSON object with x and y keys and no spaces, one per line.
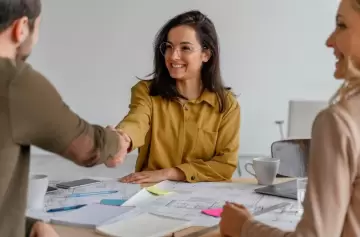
{"x":345,"y":38}
{"x":355,"y":39}
{"x":184,"y":55}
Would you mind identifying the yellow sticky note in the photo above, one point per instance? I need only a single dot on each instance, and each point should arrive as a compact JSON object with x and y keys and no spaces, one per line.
{"x":155,"y":190}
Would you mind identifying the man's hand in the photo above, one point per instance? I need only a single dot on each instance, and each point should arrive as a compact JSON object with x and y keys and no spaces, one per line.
{"x":233,"y":218}
{"x":41,"y":229}
{"x":174,"y":174}
{"x":124,"y":144}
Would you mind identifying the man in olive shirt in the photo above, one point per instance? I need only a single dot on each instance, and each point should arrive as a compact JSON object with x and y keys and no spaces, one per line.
{"x":33,"y":113}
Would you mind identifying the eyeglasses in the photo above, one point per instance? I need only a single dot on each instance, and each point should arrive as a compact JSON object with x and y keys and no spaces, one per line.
{"x":184,"y":49}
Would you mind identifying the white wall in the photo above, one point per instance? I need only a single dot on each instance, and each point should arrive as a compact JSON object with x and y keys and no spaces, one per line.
{"x":271,"y":52}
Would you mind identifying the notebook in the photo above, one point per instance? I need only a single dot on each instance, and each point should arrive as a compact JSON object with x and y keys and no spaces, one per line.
{"x":143,"y":225}
{"x":90,"y":216}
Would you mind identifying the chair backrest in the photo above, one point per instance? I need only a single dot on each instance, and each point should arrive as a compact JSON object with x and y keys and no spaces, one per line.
{"x":293,"y":155}
{"x":301,"y":117}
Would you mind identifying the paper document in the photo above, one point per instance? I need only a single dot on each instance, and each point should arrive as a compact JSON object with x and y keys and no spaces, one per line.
{"x":141,"y":199}
{"x":144,"y":225}
{"x":191,"y":187}
{"x":285,"y":218}
{"x":60,"y":197}
{"x":90,"y":215}
{"x":189,"y":200}
{"x":190,"y":206}
{"x":214,"y":227}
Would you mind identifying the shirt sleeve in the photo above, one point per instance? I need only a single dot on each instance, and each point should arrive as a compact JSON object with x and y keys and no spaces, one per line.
{"x":329,"y":182}
{"x":136,"y":123}
{"x":222,"y":166}
{"x":39,"y":117}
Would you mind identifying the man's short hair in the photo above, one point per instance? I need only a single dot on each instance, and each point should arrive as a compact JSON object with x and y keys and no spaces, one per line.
{"x":12,"y":10}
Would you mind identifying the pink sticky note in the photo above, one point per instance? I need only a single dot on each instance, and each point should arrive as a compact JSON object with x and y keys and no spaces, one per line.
{"x":216,"y":212}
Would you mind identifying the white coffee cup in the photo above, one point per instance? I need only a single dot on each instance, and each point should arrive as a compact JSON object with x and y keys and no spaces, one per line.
{"x":38,"y":185}
{"x":266,"y":169}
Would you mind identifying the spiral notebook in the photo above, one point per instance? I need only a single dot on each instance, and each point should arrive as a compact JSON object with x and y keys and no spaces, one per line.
{"x":143,"y":225}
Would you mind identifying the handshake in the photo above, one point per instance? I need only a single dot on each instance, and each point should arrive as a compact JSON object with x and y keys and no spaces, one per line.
{"x":124,"y":145}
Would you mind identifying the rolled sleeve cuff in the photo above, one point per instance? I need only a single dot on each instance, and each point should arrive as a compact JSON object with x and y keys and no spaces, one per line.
{"x":189,"y":171}
{"x":111,"y":146}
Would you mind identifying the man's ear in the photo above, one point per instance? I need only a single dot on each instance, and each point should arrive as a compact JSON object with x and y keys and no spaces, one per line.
{"x":20,"y":30}
{"x":206,"y":55}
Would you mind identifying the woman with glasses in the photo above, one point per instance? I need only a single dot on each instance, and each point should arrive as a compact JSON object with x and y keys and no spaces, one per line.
{"x":184,"y":121}
{"x":332,"y":199}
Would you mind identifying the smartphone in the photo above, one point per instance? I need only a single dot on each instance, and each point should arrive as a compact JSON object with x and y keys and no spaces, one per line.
{"x":77,"y":183}
{"x":51,"y":189}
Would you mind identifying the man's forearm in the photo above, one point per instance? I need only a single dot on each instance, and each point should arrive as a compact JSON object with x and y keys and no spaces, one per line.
{"x":93,"y":146}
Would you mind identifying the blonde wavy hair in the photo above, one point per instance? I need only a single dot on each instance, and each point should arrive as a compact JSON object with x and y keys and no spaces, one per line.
{"x":351,"y":84}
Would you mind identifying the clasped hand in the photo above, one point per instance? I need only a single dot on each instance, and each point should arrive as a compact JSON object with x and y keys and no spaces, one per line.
{"x":124,"y":144}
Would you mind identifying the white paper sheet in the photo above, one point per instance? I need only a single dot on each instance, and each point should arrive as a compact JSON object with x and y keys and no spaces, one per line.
{"x":285,"y":218}
{"x":189,"y":200}
{"x":191,"y":187}
{"x":150,"y":226}
{"x":60,"y":197}
{"x":141,"y":199}
{"x":90,"y":215}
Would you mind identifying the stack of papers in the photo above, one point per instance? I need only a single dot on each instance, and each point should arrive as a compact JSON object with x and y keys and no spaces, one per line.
{"x":189,"y":201}
{"x":62,"y":197}
{"x":161,"y":209}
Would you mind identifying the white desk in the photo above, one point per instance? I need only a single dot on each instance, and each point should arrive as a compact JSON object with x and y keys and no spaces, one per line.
{"x":66,"y":231}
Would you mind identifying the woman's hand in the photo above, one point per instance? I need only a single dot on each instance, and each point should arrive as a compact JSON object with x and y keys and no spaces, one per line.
{"x":154,"y":176}
{"x":41,"y":229}
{"x":233,"y":218}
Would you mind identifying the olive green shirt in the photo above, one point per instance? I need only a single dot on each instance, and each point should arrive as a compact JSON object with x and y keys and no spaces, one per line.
{"x":33,"y":113}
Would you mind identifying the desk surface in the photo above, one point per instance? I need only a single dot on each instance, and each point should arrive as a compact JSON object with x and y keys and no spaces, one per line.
{"x":66,"y":231}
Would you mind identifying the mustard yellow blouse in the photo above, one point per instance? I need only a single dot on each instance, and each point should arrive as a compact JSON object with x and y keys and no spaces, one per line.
{"x":194,"y":137}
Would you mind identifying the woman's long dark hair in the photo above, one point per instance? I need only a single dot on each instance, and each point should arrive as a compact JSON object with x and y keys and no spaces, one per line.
{"x":164,"y":85}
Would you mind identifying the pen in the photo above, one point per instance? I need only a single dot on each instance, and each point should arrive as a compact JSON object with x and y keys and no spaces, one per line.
{"x":92,"y":193}
{"x":66,"y":208}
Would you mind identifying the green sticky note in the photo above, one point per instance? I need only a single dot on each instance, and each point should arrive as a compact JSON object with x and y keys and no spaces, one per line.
{"x":156,"y":191}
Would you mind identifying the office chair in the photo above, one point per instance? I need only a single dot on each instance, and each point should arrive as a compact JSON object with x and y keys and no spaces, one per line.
{"x":293,"y":155}
{"x":301,"y":116}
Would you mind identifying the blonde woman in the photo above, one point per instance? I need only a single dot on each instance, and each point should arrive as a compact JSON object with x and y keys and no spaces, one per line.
{"x":332,"y":200}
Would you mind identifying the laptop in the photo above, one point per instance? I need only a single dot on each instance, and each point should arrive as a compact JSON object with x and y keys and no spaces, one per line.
{"x":284,"y":190}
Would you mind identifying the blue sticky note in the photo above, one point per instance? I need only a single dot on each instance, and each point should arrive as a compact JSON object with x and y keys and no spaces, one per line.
{"x":112,"y":202}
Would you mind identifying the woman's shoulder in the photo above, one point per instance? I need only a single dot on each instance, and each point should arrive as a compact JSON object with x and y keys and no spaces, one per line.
{"x":344,"y":114}
{"x":231,"y":100}
{"x":142,"y":85}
